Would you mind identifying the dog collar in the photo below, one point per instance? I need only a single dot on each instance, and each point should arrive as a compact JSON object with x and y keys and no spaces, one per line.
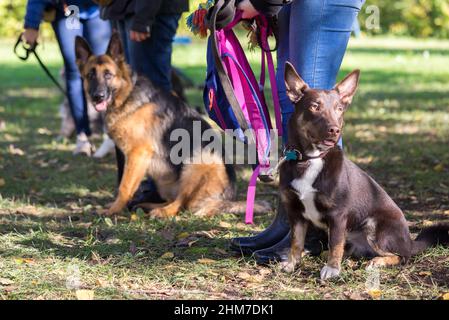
{"x":291,"y":153}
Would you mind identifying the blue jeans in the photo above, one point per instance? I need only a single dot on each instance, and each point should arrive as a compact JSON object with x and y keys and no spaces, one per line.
{"x":152,"y":57}
{"x":97,"y":32}
{"x":313,"y":36}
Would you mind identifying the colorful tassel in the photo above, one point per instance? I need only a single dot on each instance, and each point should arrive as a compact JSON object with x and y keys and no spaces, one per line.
{"x":196,"y":20}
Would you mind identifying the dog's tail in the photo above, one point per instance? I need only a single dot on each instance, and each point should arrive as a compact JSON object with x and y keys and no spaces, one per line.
{"x":212,"y":207}
{"x":430,"y":237}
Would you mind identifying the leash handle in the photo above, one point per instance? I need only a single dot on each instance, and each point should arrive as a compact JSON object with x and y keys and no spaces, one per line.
{"x":28,"y":48}
{"x":32,"y":49}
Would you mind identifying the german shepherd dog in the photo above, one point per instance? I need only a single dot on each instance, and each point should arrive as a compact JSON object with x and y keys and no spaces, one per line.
{"x":140,"y":119}
{"x":321,"y":187}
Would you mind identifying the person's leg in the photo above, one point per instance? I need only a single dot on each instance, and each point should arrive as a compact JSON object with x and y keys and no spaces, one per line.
{"x":97,"y":33}
{"x":152,"y":57}
{"x":319,"y":31}
{"x":66,"y":39}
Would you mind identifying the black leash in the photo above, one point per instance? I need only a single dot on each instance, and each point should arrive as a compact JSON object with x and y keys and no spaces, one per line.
{"x":32,"y":49}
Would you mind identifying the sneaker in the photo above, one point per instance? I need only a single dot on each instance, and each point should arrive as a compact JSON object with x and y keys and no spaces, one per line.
{"x":106,"y":147}
{"x":83,"y":145}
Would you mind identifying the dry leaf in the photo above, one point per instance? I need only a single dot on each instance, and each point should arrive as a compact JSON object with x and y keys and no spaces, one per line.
{"x":108,"y":222}
{"x":2,"y":182}
{"x":206,"y":261}
{"x":439,"y":167}
{"x":224,"y":224}
{"x":134,"y":217}
{"x":84,"y":294}
{"x":445,"y":296}
{"x":243,"y":275}
{"x":102,"y":283}
{"x":264,"y":271}
{"x":168,"y":255}
{"x":15,"y":151}
{"x":44,"y":131}
{"x":5,"y":282}
{"x":425,"y":273}
{"x":375,"y":293}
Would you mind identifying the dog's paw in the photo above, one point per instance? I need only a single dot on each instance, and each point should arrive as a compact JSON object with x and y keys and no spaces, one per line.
{"x":105,"y":212}
{"x":288,"y":266}
{"x":329,"y":272}
{"x":159,"y":213}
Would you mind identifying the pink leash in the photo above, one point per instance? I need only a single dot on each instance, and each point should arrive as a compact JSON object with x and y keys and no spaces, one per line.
{"x":251,"y":193}
{"x":250,"y":196}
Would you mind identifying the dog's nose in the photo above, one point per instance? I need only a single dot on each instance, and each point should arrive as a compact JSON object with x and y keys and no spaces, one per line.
{"x":333,"y":130}
{"x":99,"y":96}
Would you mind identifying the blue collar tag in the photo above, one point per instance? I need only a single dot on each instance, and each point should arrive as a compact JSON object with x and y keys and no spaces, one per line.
{"x":291,"y":155}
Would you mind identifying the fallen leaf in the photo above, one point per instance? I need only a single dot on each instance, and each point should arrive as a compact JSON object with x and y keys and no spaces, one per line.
{"x":224,"y":224}
{"x":206,"y":261}
{"x":5,"y":282}
{"x":264,"y":271}
{"x":375,"y":293}
{"x":425,"y":273}
{"x":182,"y":235}
{"x":439,"y":167}
{"x":134,"y":217}
{"x":168,"y":255}
{"x":243,"y":275}
{"x":102,"y":283}
{"x":15,"y":151}
{"x":445,"y":296}
{"x":2,"y":182}
{"x":84,"y":294}
{"x":108,"y":222}
{"x":44,"y":131}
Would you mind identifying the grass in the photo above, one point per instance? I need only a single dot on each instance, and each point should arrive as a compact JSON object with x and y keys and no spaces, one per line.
{"x":51,"y":243}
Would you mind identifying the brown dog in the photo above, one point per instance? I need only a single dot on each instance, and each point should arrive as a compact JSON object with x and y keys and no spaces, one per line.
{"x":141,"y":118}
{"x":320,"y":186}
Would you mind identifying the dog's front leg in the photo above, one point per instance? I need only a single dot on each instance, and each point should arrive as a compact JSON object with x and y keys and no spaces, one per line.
{"x":337,"y":239}
{"x":135,"y":168}
{"x":298,"y":227}
{"x":298,"y":236}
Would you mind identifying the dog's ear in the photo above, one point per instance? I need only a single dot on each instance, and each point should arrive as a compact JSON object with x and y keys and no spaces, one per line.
{"x":115,"y":48}
{"x":294,"y":84}
{"x":347,"y":87}
{"x":82,"y":51}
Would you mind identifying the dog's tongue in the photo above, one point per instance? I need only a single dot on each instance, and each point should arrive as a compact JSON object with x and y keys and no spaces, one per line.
{"x":329,"y":143}
{"x":101,"y":106}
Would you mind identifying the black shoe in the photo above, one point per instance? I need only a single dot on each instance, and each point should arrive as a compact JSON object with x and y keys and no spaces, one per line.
{"x":276,"y":253}
{"x":147,"y":192}
{"x":316,"y":241}
{"x":278,"y":229}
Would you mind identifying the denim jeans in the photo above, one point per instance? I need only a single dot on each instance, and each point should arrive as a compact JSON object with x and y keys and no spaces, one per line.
{"x":152,"y":57}
{"x":313,"y":36}
{"x":97,"y":32}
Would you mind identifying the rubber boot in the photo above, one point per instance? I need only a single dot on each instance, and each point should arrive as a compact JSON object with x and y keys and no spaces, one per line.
{"x":315,"y":243}
{"x":278,"y":229}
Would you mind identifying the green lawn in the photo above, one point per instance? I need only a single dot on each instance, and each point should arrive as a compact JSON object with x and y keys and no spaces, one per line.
{"x":51,"y":243}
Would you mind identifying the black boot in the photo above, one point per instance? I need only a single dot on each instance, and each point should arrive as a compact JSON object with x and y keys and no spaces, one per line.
{"x":316,"y":241}
{"x":278,"y":229}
